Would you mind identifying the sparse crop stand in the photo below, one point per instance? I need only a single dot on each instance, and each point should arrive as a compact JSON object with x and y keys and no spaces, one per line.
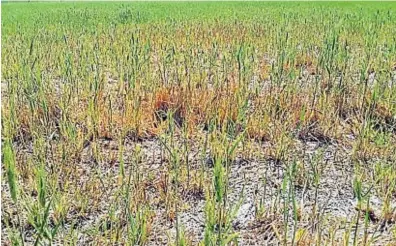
{"x":198,"y":123}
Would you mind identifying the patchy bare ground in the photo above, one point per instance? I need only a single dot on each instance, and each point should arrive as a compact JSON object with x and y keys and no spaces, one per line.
{"x":252,"y":180}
